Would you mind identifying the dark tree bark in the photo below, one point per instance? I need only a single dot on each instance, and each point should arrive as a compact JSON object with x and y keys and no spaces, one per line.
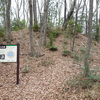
{"x":31,"y":29}
{"x":35,"y":11}
{"x":69,"y":14}
{"x":65,"y":11}
{"x":8,"y":26}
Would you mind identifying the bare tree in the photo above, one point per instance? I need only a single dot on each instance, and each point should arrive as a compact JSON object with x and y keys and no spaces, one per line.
{"x":43,"y":23}
{"x":69,"y":14}
{"x":59,"y":12}
{"x":8,"y":26}
{"x":75,"y":24}
{"x":65,"y":7}
{"x":83,"y":11}
{"x":31,"y":29}
{"x":19,"y":5}
{"x":86,"y":63}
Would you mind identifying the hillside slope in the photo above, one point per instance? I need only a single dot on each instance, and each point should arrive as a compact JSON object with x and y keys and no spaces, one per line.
{"x":43,"y":78}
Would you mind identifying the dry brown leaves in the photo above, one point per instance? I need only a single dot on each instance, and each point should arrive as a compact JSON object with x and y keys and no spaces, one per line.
{"x":45,"y":77}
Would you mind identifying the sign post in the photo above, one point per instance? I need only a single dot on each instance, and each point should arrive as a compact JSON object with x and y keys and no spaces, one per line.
{"x":10,"y":53}
{"x":18,"y":46}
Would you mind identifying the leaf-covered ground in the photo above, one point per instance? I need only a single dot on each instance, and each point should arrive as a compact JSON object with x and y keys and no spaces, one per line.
{"x":44,"y":78}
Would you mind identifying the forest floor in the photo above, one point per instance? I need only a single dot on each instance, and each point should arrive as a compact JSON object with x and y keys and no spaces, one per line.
{"x":44,"y":78}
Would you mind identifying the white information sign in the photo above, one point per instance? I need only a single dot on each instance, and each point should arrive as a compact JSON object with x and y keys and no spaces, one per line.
{"x":8,"y":53}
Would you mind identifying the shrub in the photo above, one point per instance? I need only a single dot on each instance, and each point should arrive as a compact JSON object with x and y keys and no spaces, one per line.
{"x":2,"y":34}
{"x":47,"y":62}
{"x":54,"y":33}
{"x":25,"y":70}
{"x":51,"y":39}
{"x":17,"y":25}
{"x":66,"y":52}
{"x":53,"y":48}
{"x":76,"y":57}
{"x":82,"y":82}
{"x":82,"y":50}
{"x":79,"y":81}
{"x":2,"y":31}
{"x":79,"y":28}
{"x":35,"y":26}
{"x":70,"y":27}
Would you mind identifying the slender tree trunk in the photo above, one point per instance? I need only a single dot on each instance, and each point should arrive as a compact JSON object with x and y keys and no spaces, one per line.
{"x":17,"y":3}
{"x":59,"y":14}
{"x":83,"y":12}
{"x":35,"y":11}
{"x":27,"y":14}
{"x":65,"y":11}
{"x":75,"y":26}
{"x":4,"y":14}
{"x":39,"y":10}
{"x":86,"y":21}
{"x":8,"y":26}
{"x":43,"y":23}
{"x":45,"y":20}
{"x":99,"y":26}
{"x":24,"y":9}
{"x":97,"y":31}
{"x":86,"y":63}
{"x":45,"y":30}
{"x":18,"y":9}
{"x":31,"y":29}
{"x":69,"y":14}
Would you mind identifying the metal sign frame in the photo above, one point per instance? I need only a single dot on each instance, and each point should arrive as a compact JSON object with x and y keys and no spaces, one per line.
{"x":18,"y":49}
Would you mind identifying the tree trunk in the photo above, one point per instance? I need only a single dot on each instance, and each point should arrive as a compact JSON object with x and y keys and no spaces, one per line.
{"x":43,"y":23}
{"x":69,"y":14}
{"x":45,"y":20}
{"x":75,"y":26}
{"x":39,"y":10}
{"x":8,"y":26}
{"x":97,"y":31}
{"x":83,"y":12}
{"x":65,"y":11}
{"x":24,"y":9}
{"x":86,"y":63}
{"x":35,"y":11}
{"x":31,"y":29}
{"x":86,"y":21}
{"x":4,"y":14}
{"x":99,"y":26}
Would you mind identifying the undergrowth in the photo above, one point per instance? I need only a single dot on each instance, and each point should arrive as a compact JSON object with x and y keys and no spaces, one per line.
{"x":52,"y":35}
{"x":82,"y":82}
{"x":85,"y":88}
